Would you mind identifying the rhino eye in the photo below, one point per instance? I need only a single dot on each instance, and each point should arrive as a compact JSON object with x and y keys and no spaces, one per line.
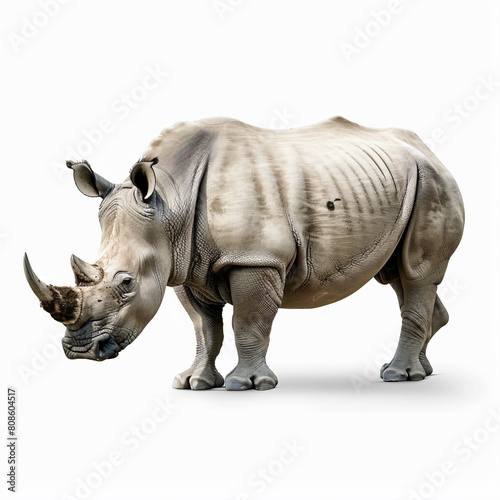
{"x":124,"y":282}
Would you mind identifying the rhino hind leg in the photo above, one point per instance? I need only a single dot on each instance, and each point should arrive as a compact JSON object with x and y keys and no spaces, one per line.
{"x":418,"y":266}
{"x":256,"y":295}
{"x":207,"y":320}
{"x":440,"y":318}
{"x":416,"y":314}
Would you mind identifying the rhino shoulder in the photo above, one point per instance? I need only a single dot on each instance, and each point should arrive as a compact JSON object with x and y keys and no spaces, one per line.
{"x":172,"y":137}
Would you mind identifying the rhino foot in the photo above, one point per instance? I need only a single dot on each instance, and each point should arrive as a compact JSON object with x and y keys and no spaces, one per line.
{"x":398,"y":371}
{"x":244,"y":378}
{"x":413,"y":372}
{"x":425,"y":363}
{"x":198,"y":377}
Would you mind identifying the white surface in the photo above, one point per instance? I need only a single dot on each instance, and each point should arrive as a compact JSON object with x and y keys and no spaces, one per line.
{"x":357,"y":438}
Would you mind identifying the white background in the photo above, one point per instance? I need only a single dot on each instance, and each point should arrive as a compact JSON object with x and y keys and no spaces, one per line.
{"x":272,"y":64}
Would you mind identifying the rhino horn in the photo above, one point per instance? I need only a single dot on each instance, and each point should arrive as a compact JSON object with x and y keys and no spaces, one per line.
{"x":41,"y":290}
{"x":63,"y":303}
{"x":85,"y":273}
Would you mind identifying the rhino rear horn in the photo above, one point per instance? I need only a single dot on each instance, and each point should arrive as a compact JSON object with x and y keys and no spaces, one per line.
{"x":85,"y":274}
{"x":143,"y":177}
{"x":87,"y":181}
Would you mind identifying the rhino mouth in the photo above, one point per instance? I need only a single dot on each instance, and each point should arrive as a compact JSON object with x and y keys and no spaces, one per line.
{"x":98,"y":348}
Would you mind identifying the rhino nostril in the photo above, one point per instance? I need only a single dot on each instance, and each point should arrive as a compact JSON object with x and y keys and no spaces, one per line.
{"x":107,"y":348}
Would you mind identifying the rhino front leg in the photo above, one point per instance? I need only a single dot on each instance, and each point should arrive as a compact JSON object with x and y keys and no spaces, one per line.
{"x":256,"y":295}
{"x":207,"y":320}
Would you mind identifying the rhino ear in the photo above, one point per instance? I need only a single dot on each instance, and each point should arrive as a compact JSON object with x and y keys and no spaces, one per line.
{"x":143,"y":177}
{"x":87,"y":181}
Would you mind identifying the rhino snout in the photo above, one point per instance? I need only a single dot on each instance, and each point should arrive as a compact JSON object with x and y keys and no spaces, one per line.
{"x":97,"y":348}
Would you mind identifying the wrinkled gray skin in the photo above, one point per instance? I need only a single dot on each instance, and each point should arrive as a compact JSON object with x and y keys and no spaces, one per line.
{"x":262,"y":219}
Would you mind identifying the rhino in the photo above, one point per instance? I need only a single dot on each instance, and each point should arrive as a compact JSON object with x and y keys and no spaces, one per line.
{"x":229,"y":213}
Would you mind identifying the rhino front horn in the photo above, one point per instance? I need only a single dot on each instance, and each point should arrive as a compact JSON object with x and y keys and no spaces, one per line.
{"x":63,"y":303}
{"x":41,"y":290}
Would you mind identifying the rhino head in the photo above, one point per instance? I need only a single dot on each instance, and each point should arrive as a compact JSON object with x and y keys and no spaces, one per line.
{"x":117,"y":296}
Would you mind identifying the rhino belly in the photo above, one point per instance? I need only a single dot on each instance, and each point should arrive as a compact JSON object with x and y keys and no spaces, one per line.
{"x":337,"y":279}
{"x":339,"y":252}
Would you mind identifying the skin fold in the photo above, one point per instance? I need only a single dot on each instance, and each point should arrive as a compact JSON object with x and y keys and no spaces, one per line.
{"x":225,"y":212}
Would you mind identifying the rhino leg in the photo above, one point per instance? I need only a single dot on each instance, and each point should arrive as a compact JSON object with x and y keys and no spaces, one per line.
{"x":416,"y":312}
{"x":432,"y":235}
{"x":207,"y":320}
{"x":439,"y":319}
{"x":256,"y":295}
